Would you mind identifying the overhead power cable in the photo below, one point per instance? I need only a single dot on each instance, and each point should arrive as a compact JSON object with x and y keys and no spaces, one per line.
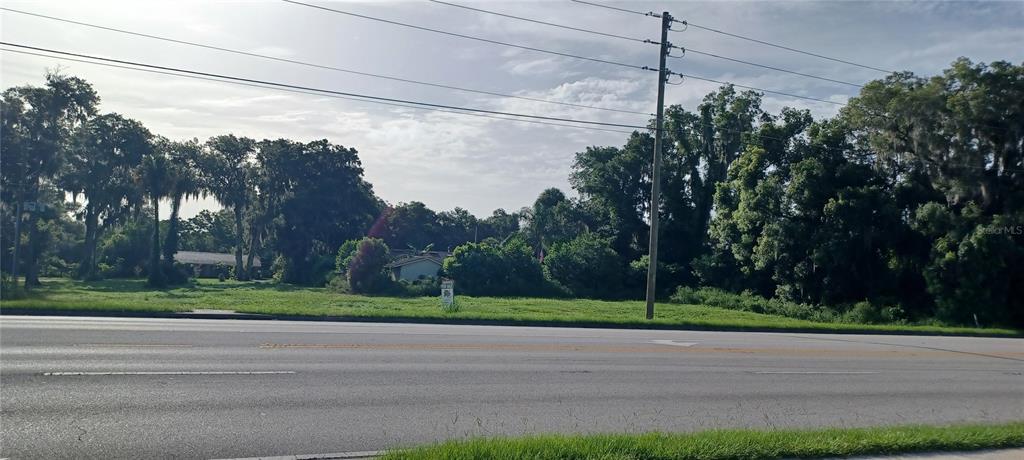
{"x":722,"y":82}
{"x":320,"y":94}
{"x":640,"y":40}
{"x":787,"y":48}
{"x":470,"y":37}
{"x":742,"y":37}
{"x":764,"y":66}
{"x":311,"y":93}
{"x":318,"y":66}
{"x":306,"y":88}
{"x":641,"y":13}
{"x":535,"y":21}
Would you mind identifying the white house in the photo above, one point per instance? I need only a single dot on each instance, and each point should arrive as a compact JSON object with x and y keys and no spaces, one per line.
{"x":412,"y":268}
{"x":205,"y":264}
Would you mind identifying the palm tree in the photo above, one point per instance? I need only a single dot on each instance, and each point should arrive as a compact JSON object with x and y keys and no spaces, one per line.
{"x":230,"y":182}
{"x":155,"y":178}
{"x":186,"y":182}
{"x":108,"y":148}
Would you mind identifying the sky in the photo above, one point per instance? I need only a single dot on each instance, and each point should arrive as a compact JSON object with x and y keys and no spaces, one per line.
{"x":480,"y":164}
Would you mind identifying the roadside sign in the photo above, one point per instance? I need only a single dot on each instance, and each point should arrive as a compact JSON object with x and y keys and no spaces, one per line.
{"x":447,"y":292}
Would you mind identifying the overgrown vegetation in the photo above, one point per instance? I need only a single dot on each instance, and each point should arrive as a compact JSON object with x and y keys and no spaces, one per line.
{"x":906,"y":207}
{"x":729,"y":444}
{"x":267,"y":297}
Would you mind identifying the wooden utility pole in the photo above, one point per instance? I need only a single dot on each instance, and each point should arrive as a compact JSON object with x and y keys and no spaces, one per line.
{"x":652,"y":264}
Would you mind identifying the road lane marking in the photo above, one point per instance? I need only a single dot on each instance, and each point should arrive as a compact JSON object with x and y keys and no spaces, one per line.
{"x":817,"y":372}
{"x":674,"y":343}
{"x":68,"y":374}
{"x":600,"y":348}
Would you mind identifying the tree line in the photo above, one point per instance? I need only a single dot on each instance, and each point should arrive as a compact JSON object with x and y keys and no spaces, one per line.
{"x":909,"y":200}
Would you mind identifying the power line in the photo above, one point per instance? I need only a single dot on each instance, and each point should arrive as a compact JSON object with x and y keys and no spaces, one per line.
{"x":318,"y":66}
{"x":764,"y":66}
{"x":578,"y":29}
{"x":641,"y":13}
{"x":787,"y":48}
{"x":470,"y":37}
{"x":306,"y":88}
{"x":314,"y":92}
{"x":311,"y":93}
{"x":634,"y":39}
{"x":722,"y":82}
{"x":742,"y":37}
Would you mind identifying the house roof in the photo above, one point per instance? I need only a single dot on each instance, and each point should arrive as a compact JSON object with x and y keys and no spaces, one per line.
{"x":413,"y":259}
{"x":210,"y":258}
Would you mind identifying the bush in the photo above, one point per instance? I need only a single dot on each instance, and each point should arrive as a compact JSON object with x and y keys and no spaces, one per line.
{"x":867,"y":313}
{"x":667,"y":273}
{"x":175,"y":273}
{"x":479,"y":269}
{"x":526,"y":274}
{"x":9,"y":290}
{"x":344,"y":256}
{"x":587,"y":266}
{"x":366,"y":271}
{"x":339,"y":284}
{"x":425,"y":287}
{"x":753,"y":303}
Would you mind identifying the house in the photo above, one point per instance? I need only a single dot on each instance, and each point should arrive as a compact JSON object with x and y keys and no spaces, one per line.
{"x":411,"y":266}
{"x":212,"y":264}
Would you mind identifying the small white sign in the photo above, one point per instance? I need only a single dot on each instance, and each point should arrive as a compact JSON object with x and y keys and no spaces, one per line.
{"x":447,"y":292}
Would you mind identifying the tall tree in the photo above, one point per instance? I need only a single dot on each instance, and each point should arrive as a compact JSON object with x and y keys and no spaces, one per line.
{"x":412,"y":226}
{"x":155,"y":178}
{"x":107,"y":149}
{"x":39,"y":130}
{"x":227,"y":166}
{"x":186,"y":181}
{"x":322,"y":200}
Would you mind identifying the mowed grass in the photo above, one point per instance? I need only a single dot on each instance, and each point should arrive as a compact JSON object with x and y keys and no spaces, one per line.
{"x":728,"y":444}
{"x":277,"y":299}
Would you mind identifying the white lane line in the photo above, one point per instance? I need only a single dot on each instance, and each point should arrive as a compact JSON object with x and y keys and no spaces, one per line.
{"x":674,"y":343}
{"x":817,"y":372}
{"x":66,"y":374}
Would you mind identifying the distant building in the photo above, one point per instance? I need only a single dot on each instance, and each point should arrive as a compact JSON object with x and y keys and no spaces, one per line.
{"x":212,"y":264}
{"x":414,"y":265}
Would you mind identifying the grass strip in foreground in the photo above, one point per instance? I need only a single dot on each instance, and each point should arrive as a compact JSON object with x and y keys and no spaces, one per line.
{"x":729,"y":444}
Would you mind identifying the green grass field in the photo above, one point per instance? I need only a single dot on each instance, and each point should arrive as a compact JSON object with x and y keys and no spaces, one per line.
{"x":275,"y":299}
{"x":729,"y":444}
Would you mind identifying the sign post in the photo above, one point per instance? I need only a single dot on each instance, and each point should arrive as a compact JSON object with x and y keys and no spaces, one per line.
{"x":448,"y":295}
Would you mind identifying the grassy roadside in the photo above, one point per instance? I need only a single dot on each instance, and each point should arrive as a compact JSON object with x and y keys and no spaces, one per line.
{"x":729,"y":444}
{"x":269,"y":298}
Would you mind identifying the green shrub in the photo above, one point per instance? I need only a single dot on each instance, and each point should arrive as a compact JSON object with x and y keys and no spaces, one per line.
{"x":344,"y":256}
{"x":479,"y":269}
{"x":865,"y":312}
{"x":753,"y":303}
{"x":587,"y":266}
{"x":367,"y":270}
{"x":9,"y":289}
{"x":339,"y":284}
{"x":424,"y":287}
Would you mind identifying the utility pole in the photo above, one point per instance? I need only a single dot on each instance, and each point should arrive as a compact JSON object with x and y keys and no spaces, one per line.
{"x":652,"y":264}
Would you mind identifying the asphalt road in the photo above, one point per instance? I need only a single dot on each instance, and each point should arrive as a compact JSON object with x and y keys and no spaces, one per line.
{"x":164,"y":388}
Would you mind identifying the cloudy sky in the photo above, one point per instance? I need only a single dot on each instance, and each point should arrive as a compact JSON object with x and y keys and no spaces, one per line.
{"x":448,"y":160}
